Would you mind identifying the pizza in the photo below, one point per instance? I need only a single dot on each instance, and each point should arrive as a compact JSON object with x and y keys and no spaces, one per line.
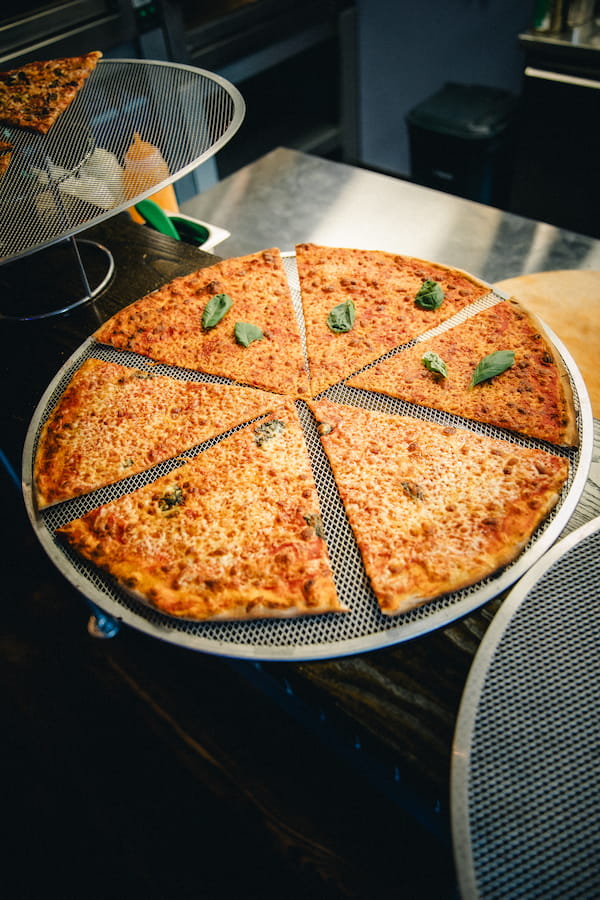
{"x":6,"y":149}
{"x":113,"y":421}
{"x":497,"y":367}
{"x":359,"y":304}
{"x":234,"y":533}
{"x":34,"y":95}
{"x":433,"y":508}
{"x":234,"y":319}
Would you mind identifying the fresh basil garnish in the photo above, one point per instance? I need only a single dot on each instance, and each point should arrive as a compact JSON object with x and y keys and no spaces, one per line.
{"x":492,"y":365}
{"x":341,"y":318}
{"x":215,"y":309}
{"x":430,"y":295}
{"x":435,"y":363}
{"x":245,"y":333}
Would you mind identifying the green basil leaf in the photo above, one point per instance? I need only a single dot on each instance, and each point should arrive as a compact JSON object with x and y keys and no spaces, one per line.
{"x":435,"y":363}
{"x":430,"y":295}
{"x":492,"y":365}
{"x":341,"y":318}
{"x":215,"y":309}
{"x":245,"y":333}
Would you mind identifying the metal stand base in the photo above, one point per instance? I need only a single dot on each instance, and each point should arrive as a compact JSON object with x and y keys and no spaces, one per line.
{"x":50,"y":282}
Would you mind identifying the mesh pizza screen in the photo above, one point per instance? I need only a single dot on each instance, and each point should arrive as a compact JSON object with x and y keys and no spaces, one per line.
{"x":308,"y":637}
{"x":525,"y":779}
{"x":48,"y":191}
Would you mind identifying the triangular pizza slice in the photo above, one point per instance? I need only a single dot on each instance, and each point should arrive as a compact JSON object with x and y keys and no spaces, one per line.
{"x":359,"y":304}
{"x":497,"y":367}
{"x":235,"y":533}
{"x":113,"y":421}
{"x":234,"y":319}
{"x":35,"y":94}
{"x":433,"y":508}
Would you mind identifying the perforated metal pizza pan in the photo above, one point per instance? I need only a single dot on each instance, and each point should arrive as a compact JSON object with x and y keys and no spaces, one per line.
{"x":525,"y":781}
{"x":307,"y":637}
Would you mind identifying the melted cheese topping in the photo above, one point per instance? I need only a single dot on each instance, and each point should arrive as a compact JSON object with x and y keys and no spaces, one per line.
{"x":113,"y":421}
{"x":433,"y":508}
{"x":532,"y":397}
{"x":167,"y":325}
{"x":383,"y":287}
{"x":233,"y":534}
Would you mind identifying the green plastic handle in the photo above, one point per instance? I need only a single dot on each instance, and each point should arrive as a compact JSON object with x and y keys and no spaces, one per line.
{"x":155,"y":216}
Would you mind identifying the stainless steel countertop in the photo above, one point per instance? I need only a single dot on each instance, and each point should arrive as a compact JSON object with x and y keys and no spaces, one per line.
{"x":288,"y":197}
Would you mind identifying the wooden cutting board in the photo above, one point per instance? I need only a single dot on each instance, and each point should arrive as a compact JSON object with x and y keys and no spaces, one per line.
{"x":569,"y":303}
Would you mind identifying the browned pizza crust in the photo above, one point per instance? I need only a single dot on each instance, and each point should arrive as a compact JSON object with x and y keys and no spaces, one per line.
{"x":113,"y":421}
{"x":35,"y":94}
{"x":6,"y":149}
{"x":382,"y":287}
{"x":433,"y":508}
{"x":234,"y":534}
{"x":167,"y":325}
{"x":533,"y":396}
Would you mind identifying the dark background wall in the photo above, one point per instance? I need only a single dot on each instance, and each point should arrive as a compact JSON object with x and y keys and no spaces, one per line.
{"x":407,"y":50}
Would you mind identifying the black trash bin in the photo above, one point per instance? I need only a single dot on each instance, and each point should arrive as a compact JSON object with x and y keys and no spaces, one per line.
{"x":462,"y":141}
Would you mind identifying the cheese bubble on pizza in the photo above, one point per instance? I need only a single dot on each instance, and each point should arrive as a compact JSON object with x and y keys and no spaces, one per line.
{"x":6,"y":149}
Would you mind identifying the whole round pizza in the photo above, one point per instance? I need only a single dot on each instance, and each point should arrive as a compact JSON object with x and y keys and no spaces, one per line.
{"x":378,"y":441}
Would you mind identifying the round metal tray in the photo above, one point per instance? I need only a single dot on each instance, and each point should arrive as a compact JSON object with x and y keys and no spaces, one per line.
{"x":312,"y":637}
{"x":188,"y":113}
{"x":525,"y":778}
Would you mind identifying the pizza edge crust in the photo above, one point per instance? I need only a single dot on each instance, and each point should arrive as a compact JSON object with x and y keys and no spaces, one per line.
{"x":570,"y":432}
{"x":239,"y":604}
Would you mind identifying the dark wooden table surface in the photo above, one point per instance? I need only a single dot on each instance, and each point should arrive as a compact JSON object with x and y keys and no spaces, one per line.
{"x":133,"y":766}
